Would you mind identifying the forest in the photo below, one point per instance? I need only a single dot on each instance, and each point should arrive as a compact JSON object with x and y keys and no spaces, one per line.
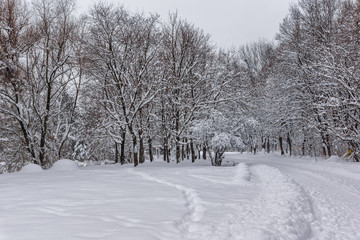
{"x":122,"y":87}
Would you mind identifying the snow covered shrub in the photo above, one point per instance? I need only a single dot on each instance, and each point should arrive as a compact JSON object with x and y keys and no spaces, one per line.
{"x":218,"y":134}
{"x":219,"y":144}
{"x":80,"y":151}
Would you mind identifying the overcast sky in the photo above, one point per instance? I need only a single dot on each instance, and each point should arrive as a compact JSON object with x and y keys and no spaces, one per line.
{"x":230,"y":22}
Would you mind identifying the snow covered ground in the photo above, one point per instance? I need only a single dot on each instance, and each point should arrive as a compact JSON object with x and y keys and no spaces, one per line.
{"x":262,"y":197}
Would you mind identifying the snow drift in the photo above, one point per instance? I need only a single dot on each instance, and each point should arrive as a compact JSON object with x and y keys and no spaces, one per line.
{"x":65,"y":165}
{"x":31,"y":168}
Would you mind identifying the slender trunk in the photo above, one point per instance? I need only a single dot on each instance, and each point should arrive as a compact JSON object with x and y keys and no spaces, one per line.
{"x":163,"y":118}
{"x":288,"y":139}
{"x":328,"y":145}
{"x":29,"y":146}
{"x":218,"y":156}
{"x":141,"y":149}
{"x":166,"y":156}
{"x":204,"y":152}
{"x":188,"y":150}
{"x":168,"y":150}
{"x":281,"y":145}
{"x":45,"y":126}
{"x":192,"y":150}
{"x":268,"y":145}
{"x":116,"y":153}
{"x":177,"y":150}
{"x":122,"y":148}
{"x":150,"y":149}
{"x":303,"y":147}
{"x":135,"y":151}
{"x":47,"y":108}
{"x":183,"y":151}
{"x":177,"y":140}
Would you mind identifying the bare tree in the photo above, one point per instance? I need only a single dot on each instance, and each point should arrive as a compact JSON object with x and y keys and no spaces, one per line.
{"x":124,"y":49}
{"x":186,"y":52}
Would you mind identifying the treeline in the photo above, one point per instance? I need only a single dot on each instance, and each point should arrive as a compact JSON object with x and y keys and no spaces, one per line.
{"x":125,"y":87}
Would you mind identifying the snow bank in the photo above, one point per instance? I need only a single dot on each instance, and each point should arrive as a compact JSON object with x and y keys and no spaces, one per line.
{"x":335,"y":159}
{"x":65,"y":165}
{"x":31,"y":168}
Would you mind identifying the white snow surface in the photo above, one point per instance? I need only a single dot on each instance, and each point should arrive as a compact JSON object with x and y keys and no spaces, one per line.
{"x":31,"y":168}
{"x":64,"y":165}
{"x":263,"y":197}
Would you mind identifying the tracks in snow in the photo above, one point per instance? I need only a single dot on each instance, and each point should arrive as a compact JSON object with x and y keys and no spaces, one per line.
{"x":332,"y":189}
{"x":335,"y":203}
{"x":187,"y":225}
{"x":280,"y":209}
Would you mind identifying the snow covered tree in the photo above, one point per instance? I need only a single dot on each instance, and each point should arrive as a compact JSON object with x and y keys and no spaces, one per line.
{"x":37,"y":50}
{"x":185,"y":54}
{"x":122,"y":49}
{"x":16,"y":37}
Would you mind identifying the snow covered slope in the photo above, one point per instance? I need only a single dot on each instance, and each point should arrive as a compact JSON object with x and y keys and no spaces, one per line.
{"x":263,"y":197}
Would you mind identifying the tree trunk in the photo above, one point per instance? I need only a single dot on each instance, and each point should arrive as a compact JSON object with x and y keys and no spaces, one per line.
{"x":122,"y":147}
{"x":183,"y":151}
{"x":177,"y":140}
{"x":150,"y":149}
{"x":198,"y":152}
{"x":204,"y":152}
{"x":166,"y":151}
{"x":218,"y":157}
{"x":29,"y":146}
{"x":44,"y":127}
{"x":116,"y":153}
{"x":192,"y":150}
{"x":188,"y":150}
{"x":303,"y":147}
{"x":141,"y":149}
{"x":263,"y":143}
{"x":135,"y":151}
{"x":268,"y":145}
{"x":328,"y":145}
{"x":177,"y":150}
{"x":281,"y":145}
{"x":288,"y":139}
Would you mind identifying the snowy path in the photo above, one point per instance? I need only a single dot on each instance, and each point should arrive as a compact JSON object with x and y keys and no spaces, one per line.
{"x":333,"y":191}
{"x":264,"y":197}
{"x":282,"y":208}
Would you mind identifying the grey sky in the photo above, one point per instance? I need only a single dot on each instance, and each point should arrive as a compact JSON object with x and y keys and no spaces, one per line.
{"x":230,"y":22}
